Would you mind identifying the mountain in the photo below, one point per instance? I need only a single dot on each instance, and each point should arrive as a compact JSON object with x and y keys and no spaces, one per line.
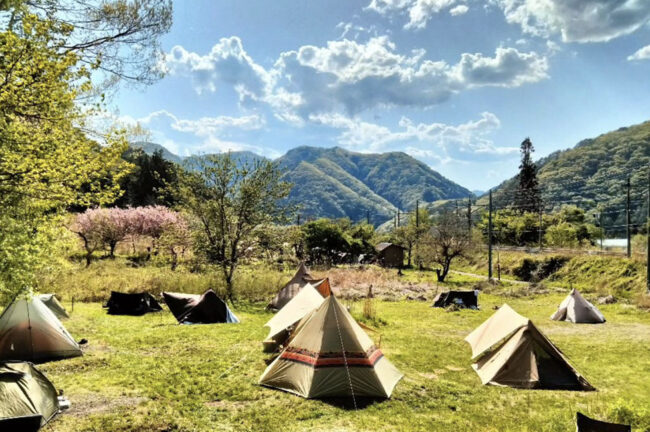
{"x":150,"y":148}
{"x":593,"y":174}
{"x":333,"y":182}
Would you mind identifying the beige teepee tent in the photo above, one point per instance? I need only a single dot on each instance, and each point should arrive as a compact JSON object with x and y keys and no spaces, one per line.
{"x":299,"y":280}
{"x":29,"y":331}
{"x":55,"y":306}
{"x":509,"y":350}
{"x":307,"y":300}
{"x":576,"y":309}
{"x":331,"y":356}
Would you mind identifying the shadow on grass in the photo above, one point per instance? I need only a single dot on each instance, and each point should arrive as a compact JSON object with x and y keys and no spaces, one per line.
{"x":348,"y":404}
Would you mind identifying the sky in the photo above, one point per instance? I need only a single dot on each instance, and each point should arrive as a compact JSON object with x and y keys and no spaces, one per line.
{"x":457,"y":84}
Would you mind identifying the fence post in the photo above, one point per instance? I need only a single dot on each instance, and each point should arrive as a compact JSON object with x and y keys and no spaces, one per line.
{"x":490,"y":238}
{"x":627,"y":221}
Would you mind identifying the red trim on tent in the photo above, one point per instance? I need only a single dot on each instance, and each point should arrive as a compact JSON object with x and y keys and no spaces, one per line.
{"x":332,"y":359}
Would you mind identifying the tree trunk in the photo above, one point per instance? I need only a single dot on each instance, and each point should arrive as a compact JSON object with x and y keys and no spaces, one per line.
{"x":112,"y":246}
{"x":442,"y":274}
{"x":174,"y":259}
{"x":409,"y":254}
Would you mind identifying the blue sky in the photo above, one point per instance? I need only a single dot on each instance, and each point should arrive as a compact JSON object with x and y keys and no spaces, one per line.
{"x":457,"y":84}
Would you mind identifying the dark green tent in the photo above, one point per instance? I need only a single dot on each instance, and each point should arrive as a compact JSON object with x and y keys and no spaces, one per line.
{"x":25,"y":392}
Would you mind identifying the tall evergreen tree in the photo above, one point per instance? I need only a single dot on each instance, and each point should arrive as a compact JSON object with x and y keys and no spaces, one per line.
{"x":528,"y":198}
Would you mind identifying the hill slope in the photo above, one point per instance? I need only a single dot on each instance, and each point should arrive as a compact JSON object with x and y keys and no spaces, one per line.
{"x":593,"y":174}
{"x":333,"y":182}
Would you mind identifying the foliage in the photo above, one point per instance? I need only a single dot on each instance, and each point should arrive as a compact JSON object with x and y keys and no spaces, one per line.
{"x":447,"y":240}
{"x":410,"y":235}
{"x":46,"y":162}
{"x":337,"y":183}
{"x":527,"y":198}
{"x":593,"y":175}
{"x":150,"y":181}
{"x":229,"y":202}
{"x":120,"y":38}
{"x":333,"y":241}
{"x":100,"y":227}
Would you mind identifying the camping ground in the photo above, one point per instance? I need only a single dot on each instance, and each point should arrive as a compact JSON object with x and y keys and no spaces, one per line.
{"x":150,"y":374}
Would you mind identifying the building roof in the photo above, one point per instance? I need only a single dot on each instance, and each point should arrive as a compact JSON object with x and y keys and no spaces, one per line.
{"x":384,"y":245}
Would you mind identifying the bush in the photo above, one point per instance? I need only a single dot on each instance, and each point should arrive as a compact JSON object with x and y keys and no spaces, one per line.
{"x":532,"y":270}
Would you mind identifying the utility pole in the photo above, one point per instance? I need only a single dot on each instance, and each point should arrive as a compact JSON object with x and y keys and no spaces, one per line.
{"x":539,"y":234}
{"x":368,"y":217}
{"x":647,"y":235}
{"x":457,"y":214}
{"x":298,"y":220}
{"x":417,"y":213}
{"x":395,"y":221}
{"x":602,"y":230}
{"x":469,"y":214}
{"x":627,"y":223}
{"x":398,"y":221}
{"x":490,"y":238}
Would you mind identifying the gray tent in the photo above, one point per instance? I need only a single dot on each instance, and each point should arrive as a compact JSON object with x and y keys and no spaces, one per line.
{"x":576,"y":309}
{"x":29,"y":331}
{"x":55,"y":306}
{"x":25,"y":393}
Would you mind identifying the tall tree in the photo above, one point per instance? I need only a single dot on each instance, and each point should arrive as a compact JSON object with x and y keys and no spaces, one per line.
{"x":150,"y":182}
{"x":46,"y":162}
{"x":230,"y":200}
{"x":410,"y":235}
{"x":527,"y":198}
{"x":119,"y":38}
{"x":447,"y":240}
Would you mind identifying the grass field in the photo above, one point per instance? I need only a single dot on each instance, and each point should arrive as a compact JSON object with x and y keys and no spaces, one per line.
{"x":150,"y":374}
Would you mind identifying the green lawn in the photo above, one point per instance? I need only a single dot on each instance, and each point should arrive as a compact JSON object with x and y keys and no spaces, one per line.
{"x":150,"y":374}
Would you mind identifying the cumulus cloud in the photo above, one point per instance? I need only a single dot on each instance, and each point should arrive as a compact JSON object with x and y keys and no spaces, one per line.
{"x":641,"y":54}
{"x":434,"y":141}
{"x":508,"y":68}
{"x":419,"y":11}
{"x":577,"y":20}
{"x":227,"y":62}
{"x":458,"y":10}
{"x":206,"y":134}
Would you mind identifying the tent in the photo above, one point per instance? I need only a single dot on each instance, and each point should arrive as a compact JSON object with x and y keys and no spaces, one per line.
{"x":576,"y":309}
{"x":52,"y":302}
{"x":585,"y":424}
{"x":329,"y":355}
{"x":292,"y":287}
{"x":307,"y":300}
{"x":508,"y":350}
{"x":207,"y":308}
{"x":29,"y":331}
{"x":27,"y":398}
{"x":131,"y":304}
{"x":463,"y":299}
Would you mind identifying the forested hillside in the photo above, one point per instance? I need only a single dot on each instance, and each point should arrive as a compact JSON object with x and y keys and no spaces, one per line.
{"x":593,"y":175}
{"x":333,"y":182}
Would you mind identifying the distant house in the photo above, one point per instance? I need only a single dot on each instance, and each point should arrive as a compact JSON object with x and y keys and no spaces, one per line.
{"x":390,"y":255}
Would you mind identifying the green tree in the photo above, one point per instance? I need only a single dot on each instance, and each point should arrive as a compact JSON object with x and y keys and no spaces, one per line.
{"x":447,"y":240}
{"x":527,"y":198}
{"x":151,"y":181}
{"x":229,"y":203}
{"x":410,"y":235}
{"x":325,"y":239}
{"x":47,"y":163}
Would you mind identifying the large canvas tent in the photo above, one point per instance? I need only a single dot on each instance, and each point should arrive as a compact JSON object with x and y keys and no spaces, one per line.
{"x":307,"y":300}
{"x":586,"y":424}
{"x":463,"y":299}
{"x":131,"y":304}
{"x":55,"y":306}
{"x":508,"y":350}
{"x":207,"y":308}
{"x":29,"y":331}
{"x":331,"y":356}
{"x":27,"y":397}
{"x":576,"y":309}
{"x":299,"y":280}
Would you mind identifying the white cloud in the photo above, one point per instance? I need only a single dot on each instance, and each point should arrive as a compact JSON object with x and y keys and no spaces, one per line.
{"x":433,"y":141}
{"x":641,"y":54}
{"x":350,"y":76}
{"x":227,"y":62}
{"x":419,"y":11}
{"x":458,"y":10}
{"x":577,"y":20}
